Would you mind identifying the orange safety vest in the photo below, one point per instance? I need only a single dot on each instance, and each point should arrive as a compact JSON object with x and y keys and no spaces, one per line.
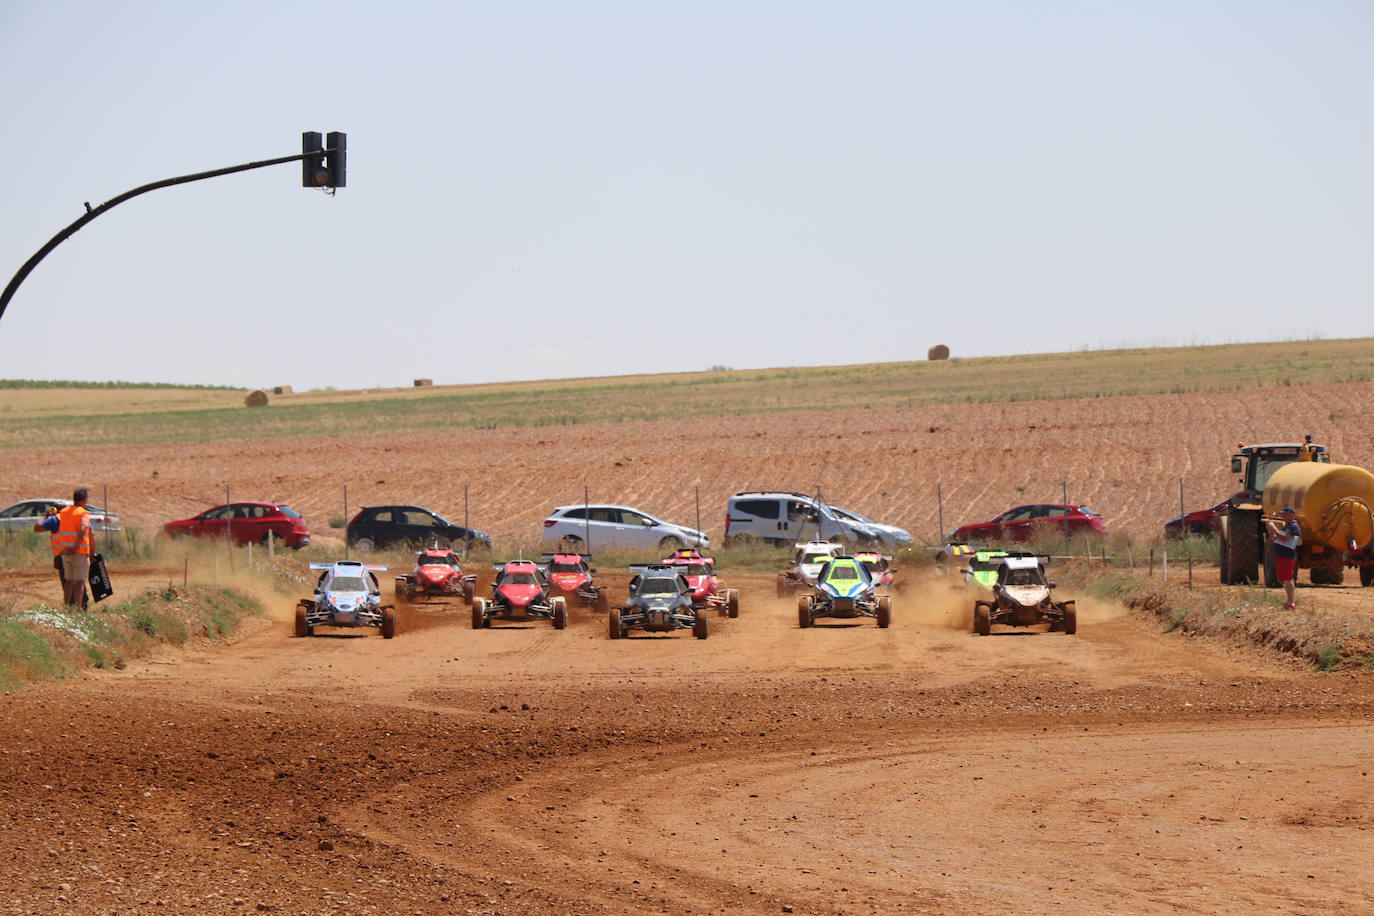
{"x":74,"y":530}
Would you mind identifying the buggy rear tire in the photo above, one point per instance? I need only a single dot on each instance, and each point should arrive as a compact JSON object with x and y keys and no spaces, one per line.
{"x":469,"y":589}
{"x":479,"y":613}
{"x":782,"y":586}
{"x":1069,"y":625}
{"x":302,"y":628}
{"x":701,"y":625}
{"x":388,"y":623}
{"x":982,"y":620}
{"x":400,"y":594}
{"x":884,"y":612}
{"x":613,"y":620}
{"x":603,"y":601}
{"x":560,"y":612}
{"x":732,"y":602}
{"x":804,"y":612}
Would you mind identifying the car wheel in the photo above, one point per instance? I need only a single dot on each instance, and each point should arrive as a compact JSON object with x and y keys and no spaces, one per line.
{"x":617,"y":632}
{"x":560,"y":613}
{"x":302,"y":628}
{"x":670,"y":543}
{"x":701,"y":625}
{"x":364,"y":545}
{"x":570,"y":543}
{"x":388,"y":623}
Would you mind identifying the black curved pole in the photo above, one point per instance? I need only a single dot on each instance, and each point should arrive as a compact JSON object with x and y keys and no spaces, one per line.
{"x":92,"y":212}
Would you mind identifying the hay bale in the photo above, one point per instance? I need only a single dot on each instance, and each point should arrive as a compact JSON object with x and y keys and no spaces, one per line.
{"x":282,"y":389}
{"x":939,"y":351}
{"x":423,"y":382}
{"x":256,"y":399}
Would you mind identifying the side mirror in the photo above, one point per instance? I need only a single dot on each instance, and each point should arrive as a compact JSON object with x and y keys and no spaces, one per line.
{"x":591,"y":569}
{"x":1235,"y":465}
{"x":647,"y":522}
{"x":1051,"y":585}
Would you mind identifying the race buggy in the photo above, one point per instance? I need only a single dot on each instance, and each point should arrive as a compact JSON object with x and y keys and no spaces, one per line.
{"x":570,"y":574}
{"x":879,"y":566}
{"x":520,"y":592}
{"x":347,"y":594}
{"x":437,"y":572}
{"x":707,"y":589}
{"x":844,"y":588}
{"x":1021,"y":598}
{"x":806,"y":565}
{"x":660,"y":602}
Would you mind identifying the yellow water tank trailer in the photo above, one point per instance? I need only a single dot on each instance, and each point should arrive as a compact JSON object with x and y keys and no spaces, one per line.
{"x":1333,"y":503}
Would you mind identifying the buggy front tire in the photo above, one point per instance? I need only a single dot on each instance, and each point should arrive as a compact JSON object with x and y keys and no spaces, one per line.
{"x":1069,"y":624}
{"x":701,"y":625}
{"x":617,"y":631}
{"x":388,"y":623}
{"x":302,"y":628}
{"x":479,"y":613}
{"x":804,"y":611}
{"x":560,"y":612}
{"x":732,"y":602}
{"x":982,"y":620}
{"x":884,"y":612}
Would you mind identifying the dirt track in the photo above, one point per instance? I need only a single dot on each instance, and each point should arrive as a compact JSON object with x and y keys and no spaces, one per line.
{"x":839,"y":769}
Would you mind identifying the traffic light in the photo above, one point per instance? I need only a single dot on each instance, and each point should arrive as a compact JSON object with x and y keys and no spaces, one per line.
{"x":313,"y":171}
{"x":336,"y":158}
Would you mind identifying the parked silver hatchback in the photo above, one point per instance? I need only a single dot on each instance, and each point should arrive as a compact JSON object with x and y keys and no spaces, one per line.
{"x":581,"y":529}
{"x":26,"y":513}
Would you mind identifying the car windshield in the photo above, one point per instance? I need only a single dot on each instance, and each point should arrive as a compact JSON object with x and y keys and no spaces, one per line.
{"x":566,"y":567}
{"x":288,"y":512}
{"x":520,"y":578}
{"x":846,"y":573}
{"x":1022,"y":577}
{"x":815,"y":557}
{"x":696,"y":569}
{"x":446,"y":560}
{"x":659,"y":587}
{"x":347,"y":584}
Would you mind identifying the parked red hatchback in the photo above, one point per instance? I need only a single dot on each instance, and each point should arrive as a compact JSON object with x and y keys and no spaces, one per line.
{"x":1026,"y":522}
{"x":245,"y":523}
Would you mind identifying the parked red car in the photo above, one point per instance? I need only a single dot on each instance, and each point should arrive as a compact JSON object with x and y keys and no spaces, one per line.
{"x":246,"y":523}
{"x":1026,"y":522}
{"x":1202,"y":523}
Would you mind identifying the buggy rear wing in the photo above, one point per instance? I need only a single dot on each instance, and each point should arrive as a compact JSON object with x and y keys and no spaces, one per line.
{"x":375,"y":567}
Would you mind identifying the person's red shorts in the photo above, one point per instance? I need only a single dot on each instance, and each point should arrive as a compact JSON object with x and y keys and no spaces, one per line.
{"x":1286,"y":568}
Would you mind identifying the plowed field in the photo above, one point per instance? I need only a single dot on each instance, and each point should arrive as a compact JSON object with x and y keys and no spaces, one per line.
{"x":1123,"y":456}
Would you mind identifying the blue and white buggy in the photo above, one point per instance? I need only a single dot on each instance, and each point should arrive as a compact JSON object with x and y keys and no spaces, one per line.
{"x":346,"y":595}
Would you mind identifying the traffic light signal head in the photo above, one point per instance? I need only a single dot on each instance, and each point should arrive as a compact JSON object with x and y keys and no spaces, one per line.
{"x":336,"y":158}
{"x":313,"y":171}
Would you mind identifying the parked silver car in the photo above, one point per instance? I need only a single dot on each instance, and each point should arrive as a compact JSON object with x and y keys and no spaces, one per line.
{"x":891,"y":536}
{"x":579,"y":529}
{"x":26,"y":513}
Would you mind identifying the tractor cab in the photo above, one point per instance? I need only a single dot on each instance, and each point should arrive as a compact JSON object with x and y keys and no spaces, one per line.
{"x":1257,"y":463}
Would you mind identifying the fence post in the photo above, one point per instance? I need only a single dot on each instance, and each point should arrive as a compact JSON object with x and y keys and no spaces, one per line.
{"x":940,"y":503}
{"x":1164,"y":564}
{"x":271,"y":545}
{"x":345,"y":518}
{"x":1190,"y":569}
{"x":250,"y":554}
{"x":1152,"y":563}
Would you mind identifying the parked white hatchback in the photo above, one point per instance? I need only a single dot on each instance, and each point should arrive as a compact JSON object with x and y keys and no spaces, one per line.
{"x":581,"y":529}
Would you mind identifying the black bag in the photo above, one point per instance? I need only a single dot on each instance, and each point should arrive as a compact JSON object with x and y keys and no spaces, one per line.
{"x":100,"y":579}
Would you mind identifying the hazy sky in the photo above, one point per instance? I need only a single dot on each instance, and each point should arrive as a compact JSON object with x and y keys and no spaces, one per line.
{"x":553,"y":189}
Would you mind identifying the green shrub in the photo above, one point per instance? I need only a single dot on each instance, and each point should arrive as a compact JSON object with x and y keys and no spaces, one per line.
{"x":1328,"y":657}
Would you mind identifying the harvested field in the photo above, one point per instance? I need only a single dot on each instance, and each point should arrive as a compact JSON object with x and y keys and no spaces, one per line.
{"x":1123,"y":456}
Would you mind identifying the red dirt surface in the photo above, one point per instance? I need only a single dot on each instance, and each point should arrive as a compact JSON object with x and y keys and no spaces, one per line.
{"x":1123,"y":456}
{"x":841,"y":769}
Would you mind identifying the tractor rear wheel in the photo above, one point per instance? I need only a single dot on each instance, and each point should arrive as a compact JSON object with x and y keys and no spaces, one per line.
{"x":303,"y":628}
{"x":617,"y":631}
{"x":884,"y":612}
{"x":732,"y":602}
{"x":982,"y":620}
{"x":804,"y":611}
{"x":560,"y":613}
{"x":1240,"y":542}
{"x":1069,"y":624}
{"x":1328,"y":575}
{"x":388,"y":623}
{"x":701,"y":624}
{"x":479,"y":613}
